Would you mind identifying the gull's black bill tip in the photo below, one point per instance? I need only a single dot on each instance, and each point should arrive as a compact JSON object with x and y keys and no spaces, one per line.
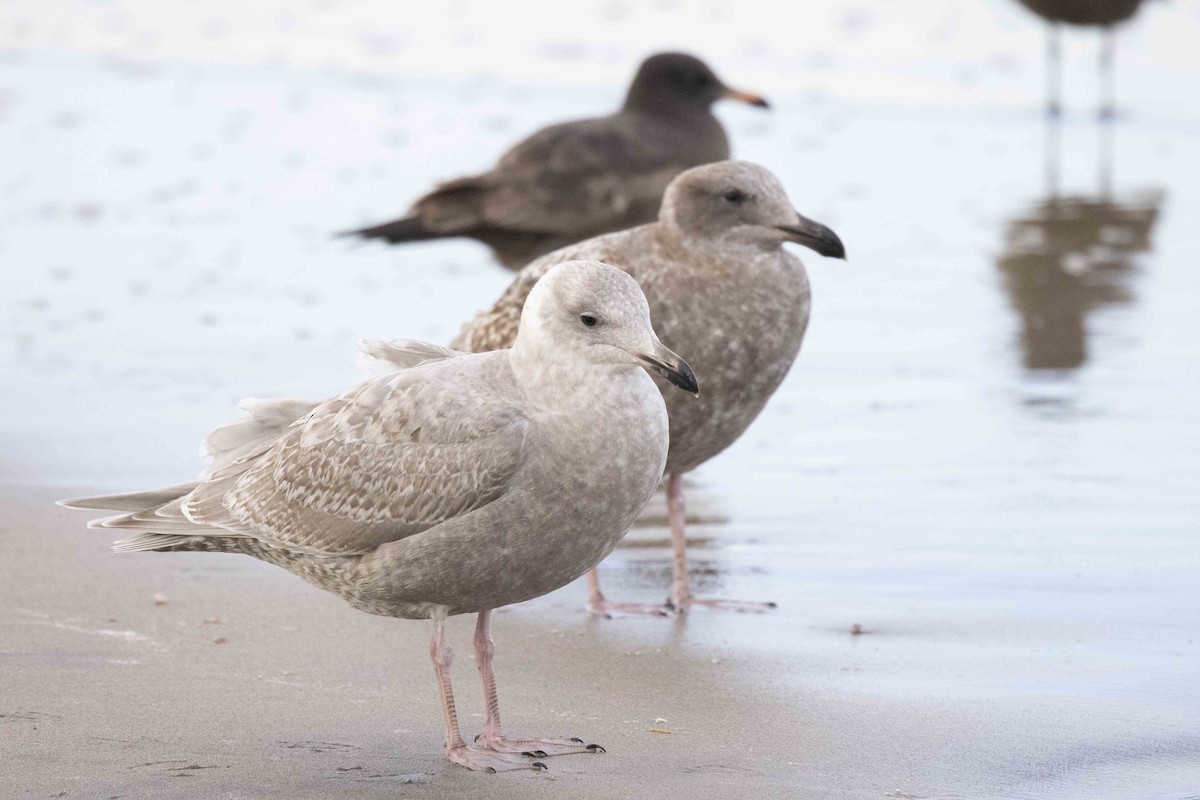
{"x":680,"y":376}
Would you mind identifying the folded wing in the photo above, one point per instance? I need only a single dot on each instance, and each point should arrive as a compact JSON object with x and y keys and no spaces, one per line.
{"x":390,"y":458}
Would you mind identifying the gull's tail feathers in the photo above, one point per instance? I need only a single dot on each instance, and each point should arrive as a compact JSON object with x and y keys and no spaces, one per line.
{"x":455,"y":208}
{"x":132,"y":502}
{"x":156,"y":516}
{"x":408,"y":229}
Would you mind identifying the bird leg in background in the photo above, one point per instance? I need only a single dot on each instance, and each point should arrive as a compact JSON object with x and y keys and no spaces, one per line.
{"x":492,"y":738}
{"x":681,"y":598}
{"x":1108,"y":103}
{"x":596,"y":602}
{"x":601,"y":606}
{"x":1053,"y":71}
{"x":456,"y":750}
{"x":681,"y":586}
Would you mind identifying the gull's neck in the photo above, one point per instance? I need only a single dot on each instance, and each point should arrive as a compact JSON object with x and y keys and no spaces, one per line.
{"x":738,"y":252}
{"x":556,"y":382}
{"x":645,"y":100}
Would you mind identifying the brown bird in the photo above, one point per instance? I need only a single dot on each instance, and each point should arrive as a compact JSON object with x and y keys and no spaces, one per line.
{"x":1105,"y":14}
{"x":720,"y":285}
{"x":579,"y":179}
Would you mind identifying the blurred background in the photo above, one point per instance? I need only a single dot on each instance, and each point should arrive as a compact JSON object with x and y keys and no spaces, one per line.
{"x":987,"y":452}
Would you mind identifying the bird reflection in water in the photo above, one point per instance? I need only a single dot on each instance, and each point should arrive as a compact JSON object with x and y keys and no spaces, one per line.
{"x":1071,"y":254}
{"x":1066,"y":257}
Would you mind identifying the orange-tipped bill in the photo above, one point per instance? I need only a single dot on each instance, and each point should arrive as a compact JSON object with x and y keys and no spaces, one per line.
{"x":749,"y":98}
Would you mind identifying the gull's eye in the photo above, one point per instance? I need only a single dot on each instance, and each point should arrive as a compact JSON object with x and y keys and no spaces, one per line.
{"x":588,"y":320}
{"x":700,"y":79}
{"x":735,"y":196}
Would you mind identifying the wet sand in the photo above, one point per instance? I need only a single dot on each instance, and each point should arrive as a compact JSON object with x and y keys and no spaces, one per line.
{"x":193,"y":676}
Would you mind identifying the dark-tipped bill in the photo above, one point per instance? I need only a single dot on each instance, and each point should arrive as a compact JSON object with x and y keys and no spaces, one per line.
{"x":749,"y":98}
{"x":673,"y":368}
{"x":814,"y":236}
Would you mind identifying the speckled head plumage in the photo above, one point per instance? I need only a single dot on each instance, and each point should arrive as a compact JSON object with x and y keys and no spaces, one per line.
{"x":591,"y":313}
{"x":737,"y":201}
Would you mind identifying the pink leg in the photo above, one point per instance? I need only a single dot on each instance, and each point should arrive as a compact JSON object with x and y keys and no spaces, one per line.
{"x":1108,"y":106}
{"x":681,"y":598}
{"x":1053,"y":71}
{"x":601,"y":606}
{"x":493,"y":738}
{"x":456,"y":750}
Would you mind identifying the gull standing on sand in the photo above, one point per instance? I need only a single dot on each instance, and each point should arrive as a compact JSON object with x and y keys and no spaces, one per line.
{"x":458,"y":485}
{"x":718,"y":280}
{"x":579,"y":179}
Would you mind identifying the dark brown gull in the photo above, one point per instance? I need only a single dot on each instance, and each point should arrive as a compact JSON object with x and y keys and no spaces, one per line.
{"x":457,"y":485}
{"x":719,"y":281}
{"x":579,"y":179}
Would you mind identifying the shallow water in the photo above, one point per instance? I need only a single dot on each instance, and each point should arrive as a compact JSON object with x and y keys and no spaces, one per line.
{"x":986,"y":455}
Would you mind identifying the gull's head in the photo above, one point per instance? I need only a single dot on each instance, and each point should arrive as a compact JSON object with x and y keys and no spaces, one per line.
{"x":737,"y":201}
{"x":679,"y":81}
{"x":590,"y":313}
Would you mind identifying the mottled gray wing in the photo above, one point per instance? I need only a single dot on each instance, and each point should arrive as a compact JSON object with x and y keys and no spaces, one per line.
{"x":392,"y":457}
{"x":265,"y":421}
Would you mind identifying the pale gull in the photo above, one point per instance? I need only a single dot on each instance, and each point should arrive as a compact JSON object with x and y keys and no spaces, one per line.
{"x":457,"y":485}
{"x":718,"y":281}
{"x":579,"y":179}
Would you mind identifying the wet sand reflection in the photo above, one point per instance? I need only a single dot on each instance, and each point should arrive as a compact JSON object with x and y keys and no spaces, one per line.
{"x":1066,"y":257}
{"x":1069,"y":255}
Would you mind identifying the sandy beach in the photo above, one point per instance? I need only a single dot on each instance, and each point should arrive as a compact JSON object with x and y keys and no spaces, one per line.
{"x":985,"y":457}
{"x":185,"y":676}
